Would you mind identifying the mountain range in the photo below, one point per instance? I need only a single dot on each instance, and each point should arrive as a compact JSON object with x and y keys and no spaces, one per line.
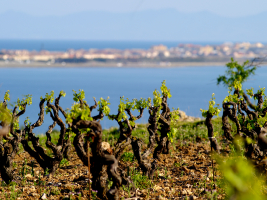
{"x":165,"y":24}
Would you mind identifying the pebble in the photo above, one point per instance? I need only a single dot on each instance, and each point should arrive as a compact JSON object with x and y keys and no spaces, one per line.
{"x":156,"y":187}
{"x":28,"y":176}
{"x":192,"y":197}
{"x":185,"y":169}
{"x":43,"y":196}
{"x":33,"y":194}
{"x":160,"y":198}
{"x":188,"y":185}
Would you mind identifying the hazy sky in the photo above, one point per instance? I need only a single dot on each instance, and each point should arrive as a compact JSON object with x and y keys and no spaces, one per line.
{"x":229,"y":8}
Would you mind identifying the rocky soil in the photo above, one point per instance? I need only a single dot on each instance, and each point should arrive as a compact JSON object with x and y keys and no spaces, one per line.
{"x":186,"y":173}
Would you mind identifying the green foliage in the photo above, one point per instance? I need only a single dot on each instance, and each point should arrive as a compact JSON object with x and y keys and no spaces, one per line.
{"x":62,"y":93}
{"x":174,"y":119}
{"x":236,"y":85}
{"x":6,"y":97}
{"x":78,"y":110}
{"x":261,"y":91}
{"x":140,"y":181}
{"x":121,"y":110}
{"x":232,"y":98}
{"x":24,"y":169}
{"x":81,"y":111}
{"x":78,"y":96}
{"x":122,"y":107}
{"x":103,"y":106}
{"x":14,"y":194}
{"x":240,"y":178}
{"x":213,"y":110}
{"x":250,"y":92}
{"x":164,"y":90}
{"x":46,"y":171}
{"x":55,"y":190}
{"x":127,"y":156}
{"x":264,"y":105}
{"x":5,"y":114}
{"x":190,"y":130}
{"x":236,"y":74}
{"x":50,"y":97}
{"x":54,"y":139}
{"x":261,"y":120}
{"x":157,"y":96}
{"x":111,"y":134}
{"x":141,"y":132}
{"x":27,"y":122}
{"x":130,"y":105}
{"x":138,"y":104}
{"x":70,"y":135}
{"x":64,"y":162}
{"x":172,"y":134}
{"x":174,"y":115}
{"x":94,"y":194}
{"x":27,"y":100}
{"x":157,"y":99}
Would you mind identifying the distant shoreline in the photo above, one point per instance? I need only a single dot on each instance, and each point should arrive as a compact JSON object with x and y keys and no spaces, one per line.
{"x":113,"y":64}
{"x":110,"y":64}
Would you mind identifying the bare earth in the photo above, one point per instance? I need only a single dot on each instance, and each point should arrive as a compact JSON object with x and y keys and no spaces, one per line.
{"x":183,"y":174}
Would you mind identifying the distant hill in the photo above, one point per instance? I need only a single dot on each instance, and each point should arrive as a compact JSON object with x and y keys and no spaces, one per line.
{"x":166,"y":24}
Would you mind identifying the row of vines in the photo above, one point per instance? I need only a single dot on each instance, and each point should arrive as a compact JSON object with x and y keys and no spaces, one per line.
{"x":79,"y":124}
{"x":244,"y":127}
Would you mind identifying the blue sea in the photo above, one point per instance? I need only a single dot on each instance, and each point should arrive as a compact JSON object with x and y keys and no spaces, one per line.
{"x":191,"y":87}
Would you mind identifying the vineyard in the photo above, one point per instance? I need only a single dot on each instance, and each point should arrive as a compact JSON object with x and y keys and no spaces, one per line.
{"x":222,"y":156}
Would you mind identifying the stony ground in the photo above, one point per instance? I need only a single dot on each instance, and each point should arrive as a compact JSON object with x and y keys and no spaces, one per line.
{"x":186,"y":173}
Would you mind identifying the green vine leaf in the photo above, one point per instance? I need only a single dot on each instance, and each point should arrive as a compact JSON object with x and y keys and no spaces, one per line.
{"x":104,"y":106}
{"x":26,"y":100}
{"x":50,"y":97}
{"x":172,"y":134}
{"x":78,"y":96}
{"x":6,"y":97}
{"x":164,"y":90}
{"x":213,"y":110}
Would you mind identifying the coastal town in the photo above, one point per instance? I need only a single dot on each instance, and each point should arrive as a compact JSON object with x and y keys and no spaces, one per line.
{"x":159,"y":54}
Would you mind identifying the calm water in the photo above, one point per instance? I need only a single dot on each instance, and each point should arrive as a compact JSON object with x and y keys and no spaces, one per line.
{"x":191,"y":87}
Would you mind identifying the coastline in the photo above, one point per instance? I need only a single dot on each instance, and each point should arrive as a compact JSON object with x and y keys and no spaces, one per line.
{"x":110,"y":64}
